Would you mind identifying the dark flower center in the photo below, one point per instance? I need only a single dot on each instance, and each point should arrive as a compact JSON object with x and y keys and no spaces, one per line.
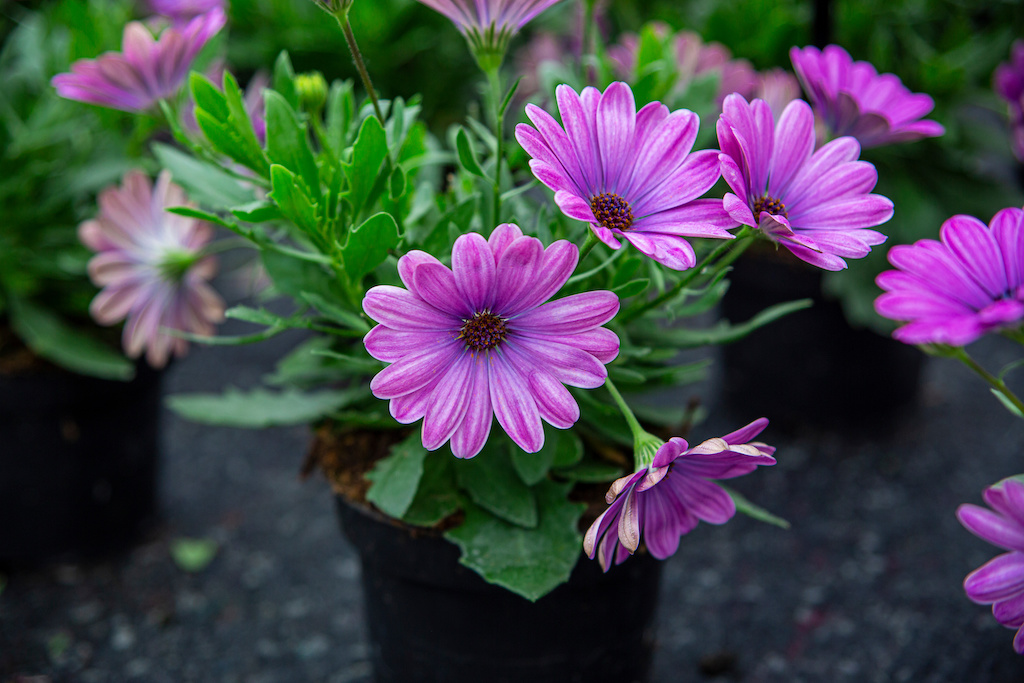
{"x":612,"y":211}
{"x":770,"y":204}
{"x":484,"y":331}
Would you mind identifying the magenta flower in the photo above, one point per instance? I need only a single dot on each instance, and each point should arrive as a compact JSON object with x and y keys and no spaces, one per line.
{"x":854,"y":99}
{"x":478,"y":340}
{"x":954,"y":291}
{"x":629,"y":174}
{"x":1000,"y":581}
{"x":816,"y":204}
{"x":489,"y":24}
{"x":1008,"y":82}
{"x":146,"y":71}
{"x":778,"y":88}
{"x":183,"y":11}
{"x":150,"y":265}
{"x":662,"y":502}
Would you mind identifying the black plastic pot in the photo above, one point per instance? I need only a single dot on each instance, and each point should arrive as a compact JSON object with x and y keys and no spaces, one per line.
{"x":432,"y":620}
{"x":78,"y":464}
{"x":810,"y":368}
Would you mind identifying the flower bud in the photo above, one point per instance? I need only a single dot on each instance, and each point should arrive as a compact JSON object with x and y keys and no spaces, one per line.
{"x":312,"y":90}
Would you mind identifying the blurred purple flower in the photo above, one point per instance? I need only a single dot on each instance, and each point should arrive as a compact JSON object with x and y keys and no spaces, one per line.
{"x":662,"y":502}
{"x":478,"y":340}
{"x":854,"y":99}
{"x":1000,"y":581}
{"x":489,"y":24}
{"x":629,"y":174}
{"x":816,"y":204}
{"x":146,"y":71}
{"x":183,"y":11}
{"x":956,"y":290}
{"x":150,"y":266}
{"x":1008,"y":82}
{"x":778,"y":88}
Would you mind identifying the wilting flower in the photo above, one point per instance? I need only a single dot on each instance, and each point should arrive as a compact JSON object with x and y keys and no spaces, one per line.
{"x":662,"y":502}
{"x":1008,"y":82}
{"x":1000,"y":581}
{"x":854,"y":99}
{"x":489,"y":24}
{"x":146,"y":70}
{"x":629,"y":174}
{"x":183,"y":11}
{"x":151,"y":268}
{"x":954,"y":291}
{"x":815,"y":203}
{"x":478,"y":340}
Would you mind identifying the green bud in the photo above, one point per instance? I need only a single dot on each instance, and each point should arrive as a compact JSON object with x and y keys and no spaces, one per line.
{"x":312,"y":90}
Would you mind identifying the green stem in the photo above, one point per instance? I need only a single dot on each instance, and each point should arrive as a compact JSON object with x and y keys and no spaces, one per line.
{"x":494,"y":80}
{"x":634,"y":424}
{"x":588,"y":30}
{"x":645,"y":444}
{"x":357,"y":57}
{"x":997,"y":384}
{"x":588,"y":246}
{"x":720,"y":258}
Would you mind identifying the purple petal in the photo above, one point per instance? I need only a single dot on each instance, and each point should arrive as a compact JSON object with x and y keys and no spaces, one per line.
{"x":1000,"y":578}
{"x":556,"y":405}
{"x":994,"y":528}
{"x":670,"y":251}
{"x":388,"y":345}
{"x":470,"y":437}
{"x":448,"y":403}
{"x":399,"y":309}
{"x":414,"y":371}
{"x":514,"y":405}
{"x":570,"y":315}
{"x":474,"y":268}
{"x":616,"y":122}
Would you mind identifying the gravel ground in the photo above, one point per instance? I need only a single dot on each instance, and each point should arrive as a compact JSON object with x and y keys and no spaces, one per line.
{"x":865,"y":587}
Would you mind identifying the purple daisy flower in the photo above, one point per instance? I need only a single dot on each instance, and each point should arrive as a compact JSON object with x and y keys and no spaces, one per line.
{"x":664,"y":501}
{"x":150,"y":267}
{"x":1000,"y":581}
{"x":146,"y":70}
{"x":489,"y":24}
{"x":854,"y":99}
{"x":183,"y":11}
{"x":954,"y":291}
{"x":1008,"y":82}
{"x":778,"y":88}
{"x":815,"y":203}
{"x":478,"y":340}
{"x":629,"y":174}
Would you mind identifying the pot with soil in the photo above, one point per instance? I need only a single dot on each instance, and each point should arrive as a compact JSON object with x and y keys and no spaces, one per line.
{"x":78,"y":460}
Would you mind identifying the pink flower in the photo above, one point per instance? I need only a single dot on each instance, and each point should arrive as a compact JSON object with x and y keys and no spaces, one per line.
{"x":954,"y":291}
{"x":149,"y":263}
{"x":1000,"y":581}
{"x":489,"y":24}
{"x":183,"y":11}
{"x":814,"y":203}
{"x":629,"y":174}
{"x":854,"y":99}
{"x":146,"y":70}
{"x":662,"y":502}
{"x":778,"y":88}
{"x":1008,"y":82}
{"x":478,"y":340}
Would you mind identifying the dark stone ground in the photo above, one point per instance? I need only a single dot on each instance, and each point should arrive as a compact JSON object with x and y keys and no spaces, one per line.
{"x":864,"y":588}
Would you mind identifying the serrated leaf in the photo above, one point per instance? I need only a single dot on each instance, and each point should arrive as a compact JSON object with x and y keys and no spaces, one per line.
{"x":492,"y":483}
{"x":528,"y":562}
{"x":262,"y":408}
{"x":367,"y":246}
{"x":193,"y":554}
{"x":757,"y":512}
{"x":53,"y":339}
{"x":292,"y":200}
{"x":467,"y":154}
{"x":437,"y":496}
{"x":368,"y":155}
{"x":397,"y":477}
{"x":288,"y":144}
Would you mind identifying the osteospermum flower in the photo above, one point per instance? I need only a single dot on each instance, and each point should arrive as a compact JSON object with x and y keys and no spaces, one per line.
{"x":629,"y":174}
{"x":661,"y":503}
{"x":854,"y":99}
{"x":956,"y":290}
{"x":489,"y":24}
{"x":478,"y":340}
{"x":146,"y":70}
{"x":1008,"y":81}
{"x":1000,"y":581}
{"x":814,"y":203}
{"x":150,"y":266}
{"x":183,"y":11}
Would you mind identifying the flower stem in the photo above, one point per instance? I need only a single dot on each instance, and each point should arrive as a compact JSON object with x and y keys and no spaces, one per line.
{"x":997,"y":384}
{"x":357,"y":57}
{"x":588,"y":246}
{"x":494,"y":80}
{"x":718,"y":259}
{"x":634,"y":424}
{"x":645,"y":444}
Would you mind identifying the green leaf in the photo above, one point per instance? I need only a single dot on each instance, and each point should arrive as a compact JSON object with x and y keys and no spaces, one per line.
{"x":364,"y":365}
{"x":759,"y":513}
{"x":491,"y":481}
{"x":293,"y":201}
{"x":1007,"y":403}
{"x":249,"y":152}
{"x":297,"y":277}
{"x":199,"y":214}
{"x":368,"y":154}
{"x":193,"y":554}
{"x":632,"y":288}
{"x":207,"y":96}
{"x":367,"y":246}
{"x":721,"y":333}
{"x":284,"y":79}
{"x":262,"y":408}
{"x":437,"y":497}
{"x":336,"y":312}
{"x":288,"y":144}
{"x":205,"y":183}
{"x":50,"y":337}
{"x":467,"y":154}
{"x":528,"y":562}
{"x":396,"y":183}
{"x":303,"y":368}
{"x":591,"y":471}
{"x":560,"y":446}
{"x":397,"y":477}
